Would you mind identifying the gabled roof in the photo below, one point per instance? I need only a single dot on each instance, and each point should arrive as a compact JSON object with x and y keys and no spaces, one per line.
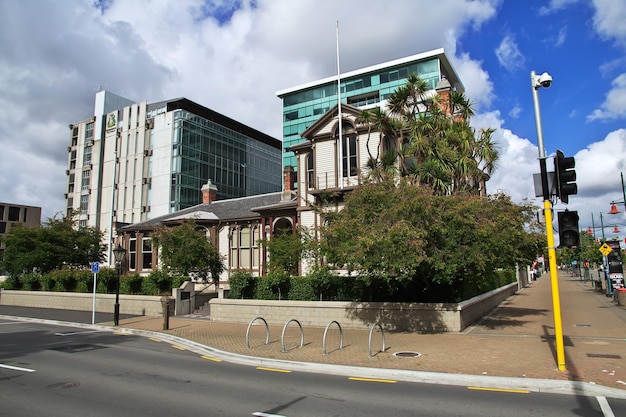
{"x":328,"y":117}
{"x":223,"y":210}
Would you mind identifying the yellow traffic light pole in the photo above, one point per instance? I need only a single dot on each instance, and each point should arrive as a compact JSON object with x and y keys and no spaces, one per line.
{"x":545,"y":80}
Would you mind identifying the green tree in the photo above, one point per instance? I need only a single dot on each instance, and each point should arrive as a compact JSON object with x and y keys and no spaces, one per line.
{"x":185,"y":249}
{"x":406,"y":242}
{"x":58,"y":243}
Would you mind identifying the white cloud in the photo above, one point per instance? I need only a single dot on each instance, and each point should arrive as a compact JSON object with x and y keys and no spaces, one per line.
{"x":556,"y":5}
{"x":614,"y":106}
{"x":609,"y":19}
{"x":515,"y":112}
{"x":509,"y":54}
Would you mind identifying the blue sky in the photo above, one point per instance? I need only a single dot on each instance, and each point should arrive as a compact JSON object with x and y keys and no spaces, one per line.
{"x":234,"y":56}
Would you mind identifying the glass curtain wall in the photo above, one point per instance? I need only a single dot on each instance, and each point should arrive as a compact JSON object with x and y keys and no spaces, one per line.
{"x":238,"y":165}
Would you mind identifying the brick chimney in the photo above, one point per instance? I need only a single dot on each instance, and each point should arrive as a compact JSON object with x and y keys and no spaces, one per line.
{"x":209,"y":192}
{"x":289,"y":178}
{"x":443,"y":88}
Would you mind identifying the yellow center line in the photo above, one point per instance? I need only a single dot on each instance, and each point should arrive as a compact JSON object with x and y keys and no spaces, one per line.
{"x":120,"y":333}
{"x":261,"y":368}
{"x":514,"y":391}
{"x":154,"y":339}
{"x":178,"y":347}
{"x":211,"y":359}
{"x":387,"y":381}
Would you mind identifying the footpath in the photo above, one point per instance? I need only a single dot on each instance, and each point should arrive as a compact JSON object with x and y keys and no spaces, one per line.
{"x":517,"y":340}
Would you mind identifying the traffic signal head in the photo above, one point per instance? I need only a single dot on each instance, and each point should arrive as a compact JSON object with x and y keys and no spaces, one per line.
{"x":568,"y":228}
{"x":565,"y":176}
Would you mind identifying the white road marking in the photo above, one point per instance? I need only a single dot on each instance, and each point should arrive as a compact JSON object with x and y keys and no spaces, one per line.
{"x":260,"y":414}
{"x":16,"y":368}
{"x":74,"y":333}
{"x":605,"y":407}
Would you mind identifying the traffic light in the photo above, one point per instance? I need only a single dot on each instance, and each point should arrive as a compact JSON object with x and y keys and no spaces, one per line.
{"x":568,"y":228}
{"x":565,"y":176}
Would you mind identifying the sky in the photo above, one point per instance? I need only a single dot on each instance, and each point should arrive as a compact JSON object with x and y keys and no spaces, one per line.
{"x":233,"y":56}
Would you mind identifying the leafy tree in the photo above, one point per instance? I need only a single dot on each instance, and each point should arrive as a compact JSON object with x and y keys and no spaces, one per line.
{"x":185,"y":249}
{"x":58,"y":243}
{"x":405,"y":242}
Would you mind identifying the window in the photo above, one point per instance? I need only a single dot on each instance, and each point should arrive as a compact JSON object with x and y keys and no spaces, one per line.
{"x":3,"y":227}
{"x":1,"y":212}
{"x":75,"y":136}
{"x":89,"y":131}
{"x":349,"y":156}
{"x":87,"y":155}
{"x":86,"y":180}
{"x":14,"y":214}
{"x":84,"y":204}
{"x":244,"y":243}
{"x":234,"y":249}
{"x":310,"y":171}
{"x":132,"y":253}
{"x":146,"y":253}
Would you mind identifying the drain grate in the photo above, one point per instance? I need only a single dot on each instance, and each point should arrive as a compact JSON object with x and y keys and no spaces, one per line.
{"x":407,"y":354}
{"x":603,"y":356}
{"x":582,"y":325}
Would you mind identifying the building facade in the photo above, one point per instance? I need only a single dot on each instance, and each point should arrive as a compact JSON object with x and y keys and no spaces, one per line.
{"x":363,"y":88}
{"x":131,"y":162}
{"x":12,"y":214}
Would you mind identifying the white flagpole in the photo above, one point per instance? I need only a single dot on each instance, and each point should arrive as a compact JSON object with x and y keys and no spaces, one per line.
{"x":340,"y":147}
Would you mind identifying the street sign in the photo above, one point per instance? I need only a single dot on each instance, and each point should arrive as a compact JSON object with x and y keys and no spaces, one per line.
{"x":95,"y":267}
{"x":605,"y":249}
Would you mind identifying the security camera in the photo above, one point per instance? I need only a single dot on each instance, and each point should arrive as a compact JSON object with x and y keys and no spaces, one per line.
{"x":544,"y":80}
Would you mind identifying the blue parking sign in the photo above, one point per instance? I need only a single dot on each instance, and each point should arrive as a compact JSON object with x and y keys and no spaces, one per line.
{"x":95,"y":267}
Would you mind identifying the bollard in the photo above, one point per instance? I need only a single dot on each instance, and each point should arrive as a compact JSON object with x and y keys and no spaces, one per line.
{"x":166,"y":313}
{"x":621,"y":296}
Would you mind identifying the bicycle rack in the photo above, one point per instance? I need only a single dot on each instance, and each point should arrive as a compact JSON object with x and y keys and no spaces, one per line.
{"x":340,"y":336}
{"x":285,"y":328}
{"x":370,"y":338}
{"x":267,"y":328}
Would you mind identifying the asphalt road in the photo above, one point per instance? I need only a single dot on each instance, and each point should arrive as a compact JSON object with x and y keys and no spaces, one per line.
{"x":66,"y":371}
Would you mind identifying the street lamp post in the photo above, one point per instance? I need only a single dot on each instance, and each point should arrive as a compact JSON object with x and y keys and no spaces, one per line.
{"x":545,"y":80}
{"x":118,"y":254}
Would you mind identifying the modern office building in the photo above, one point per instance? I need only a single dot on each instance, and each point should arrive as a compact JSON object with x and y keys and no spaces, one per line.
{"x":363,"y":88}
{"x":12,"y":214}
{"x":134,"y":161}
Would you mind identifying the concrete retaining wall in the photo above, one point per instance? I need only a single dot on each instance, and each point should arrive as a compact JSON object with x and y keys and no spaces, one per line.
{"x":414,"y":317}
{"x":142,"y":305}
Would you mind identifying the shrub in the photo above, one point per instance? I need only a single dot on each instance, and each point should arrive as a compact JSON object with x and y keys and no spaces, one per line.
{"x":131,"y":284}
{"x":303,"y":289}
{"x":31,"y":282}
{"x":157,"y":283}
{"x":84,"y":281}
{"x":273,"y":286}
{"x":13,"y":283}
{"x":242,"y":285}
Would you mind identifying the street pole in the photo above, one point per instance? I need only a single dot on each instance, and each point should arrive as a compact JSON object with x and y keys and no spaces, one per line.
{"x":547,"y":210}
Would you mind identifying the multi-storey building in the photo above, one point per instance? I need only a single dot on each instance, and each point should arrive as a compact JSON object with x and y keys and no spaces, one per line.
{"x":134,"y":161}
{"x":12,"y":214}
{"x":363,"y":88}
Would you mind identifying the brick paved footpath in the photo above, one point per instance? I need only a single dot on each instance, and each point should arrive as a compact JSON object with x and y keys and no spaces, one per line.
{"x":515,"y":340}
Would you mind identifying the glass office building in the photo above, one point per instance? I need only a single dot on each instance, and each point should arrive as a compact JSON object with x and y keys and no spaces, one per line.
{"x":237,"y":162}
{"x":364,"y":88}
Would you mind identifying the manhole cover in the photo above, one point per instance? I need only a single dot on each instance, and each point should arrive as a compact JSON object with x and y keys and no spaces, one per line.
{"x":407,"y":354}
{"x":77,"y":348}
